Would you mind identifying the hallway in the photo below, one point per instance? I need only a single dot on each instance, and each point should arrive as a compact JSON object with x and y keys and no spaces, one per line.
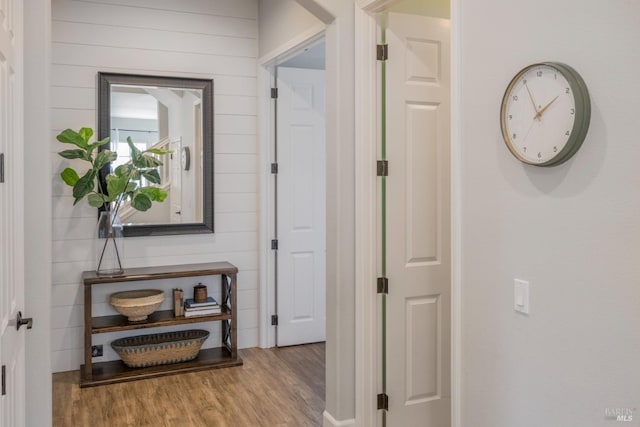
{"x":275,"y":387}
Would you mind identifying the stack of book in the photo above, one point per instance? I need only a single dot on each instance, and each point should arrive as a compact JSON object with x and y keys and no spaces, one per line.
{"x":206,"y":308}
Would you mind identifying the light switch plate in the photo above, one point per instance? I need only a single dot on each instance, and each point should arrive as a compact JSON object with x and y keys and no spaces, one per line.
{"x":521,"y":296}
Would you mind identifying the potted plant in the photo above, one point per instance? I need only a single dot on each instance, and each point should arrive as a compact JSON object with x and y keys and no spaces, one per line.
{"x":126,"y":183}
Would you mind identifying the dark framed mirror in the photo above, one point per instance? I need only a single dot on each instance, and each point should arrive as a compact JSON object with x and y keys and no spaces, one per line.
{"x":170,"y":113}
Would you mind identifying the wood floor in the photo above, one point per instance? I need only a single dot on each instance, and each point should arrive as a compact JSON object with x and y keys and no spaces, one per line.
{"x":274,"y":387}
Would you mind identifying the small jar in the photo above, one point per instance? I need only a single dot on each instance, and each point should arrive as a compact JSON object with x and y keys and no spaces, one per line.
{"x":200,"y":293}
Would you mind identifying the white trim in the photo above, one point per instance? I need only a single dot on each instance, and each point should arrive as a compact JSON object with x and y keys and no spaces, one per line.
{"x":456,"y":215}
{"x":38,"y":211}
{"x":292,"y":46}
{"x":265,"y":218}
{"x":366,"y":130}
{"x":376,"y":6}
{"x":329,"y":421}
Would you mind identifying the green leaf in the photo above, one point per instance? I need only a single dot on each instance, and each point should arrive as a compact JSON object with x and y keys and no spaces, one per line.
{"x":74,"y":154}
{"x":86,"y":134}
{"x":131,"y":187}
{"x":158,"y":151}
{"x":152,"y":162}
{"x":97,"y":144}
{"x":85,"y":185}
{"x":146,"y":162}
{"x":69,"y":176}
{"x":103,"y":158}
{"x":69,"y":136}
{"x":135,"y":153}
{"x":96,"y":200}
{"x":141,"y":202}
{"x":155,"y":194}
{"x":152,"y":176}
{"x":124,"y":170}
{"x":115,"y":186}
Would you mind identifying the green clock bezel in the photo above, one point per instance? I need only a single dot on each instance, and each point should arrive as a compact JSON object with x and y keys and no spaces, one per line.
{"x":582,"y":115}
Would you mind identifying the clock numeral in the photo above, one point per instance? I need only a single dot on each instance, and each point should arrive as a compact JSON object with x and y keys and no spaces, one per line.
{"x":514,"y":136}
{"x":524,"y":81}
{"x":539,"y":74}
{"x":567,"y":133}
{"x":573,"y":111}
{"x":539,"y":155}
{"x":555,"y":149}
{"x":515,"y":97}
{"x":555,"y":76}
{"x":524,"y":149}
{"x":510,"y":116}
{"x":566,"y":90}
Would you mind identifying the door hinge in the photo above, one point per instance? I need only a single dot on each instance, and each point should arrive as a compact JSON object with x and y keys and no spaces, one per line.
{"x":382,"y":52}
{"x":383,"y":168}
{"x":274,"y":320}
{"x":274,"y":244}
{"x":383,"y":285}
{"x":383,"y":401}
{"x":4,"y":380}
{"x":274,"y":93}
{"x":274,"y":168}
{"x":1,"y":168}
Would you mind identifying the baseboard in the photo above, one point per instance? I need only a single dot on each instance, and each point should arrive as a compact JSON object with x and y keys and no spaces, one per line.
{"x":329,"y":421}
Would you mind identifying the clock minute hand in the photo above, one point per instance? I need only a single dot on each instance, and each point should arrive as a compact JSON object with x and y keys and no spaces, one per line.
{"x":543,"y":109}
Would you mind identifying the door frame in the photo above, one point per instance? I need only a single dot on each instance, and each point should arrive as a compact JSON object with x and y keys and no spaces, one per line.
{"x":38,"y":211}
{"x":267,"y":202}
{"x":367,"y":138}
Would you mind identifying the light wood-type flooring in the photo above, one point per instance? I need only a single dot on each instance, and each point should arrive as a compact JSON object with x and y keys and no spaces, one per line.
{"x":274,"y":387}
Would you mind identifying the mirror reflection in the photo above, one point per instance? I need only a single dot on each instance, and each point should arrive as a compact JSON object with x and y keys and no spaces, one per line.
{"x":168,"y":113}
{"x":168,"y":119}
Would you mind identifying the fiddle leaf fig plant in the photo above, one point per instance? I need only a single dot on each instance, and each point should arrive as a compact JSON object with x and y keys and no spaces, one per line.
{"x":124,"y":183}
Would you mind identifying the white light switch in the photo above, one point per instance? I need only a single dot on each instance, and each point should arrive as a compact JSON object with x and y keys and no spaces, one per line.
{"x":521,"y":296}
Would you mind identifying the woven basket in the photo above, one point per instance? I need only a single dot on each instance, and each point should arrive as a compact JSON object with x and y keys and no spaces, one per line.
{"x":137,"y":304}
{"x":160,"y":349}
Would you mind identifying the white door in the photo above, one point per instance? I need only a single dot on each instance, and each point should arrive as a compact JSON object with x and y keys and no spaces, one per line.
{"x":301,"y":206}
{"x":12,"y":341}
{"x":418,"y":222}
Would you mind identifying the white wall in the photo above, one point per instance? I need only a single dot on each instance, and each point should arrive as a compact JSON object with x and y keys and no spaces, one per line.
{"x":197,"y":38}
{"x":280,"y":22}
{"x":573,"y":231}
{"x":338,"y":15}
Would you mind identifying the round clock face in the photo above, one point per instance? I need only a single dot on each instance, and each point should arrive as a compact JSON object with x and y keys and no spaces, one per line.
{"x":545,"y":114}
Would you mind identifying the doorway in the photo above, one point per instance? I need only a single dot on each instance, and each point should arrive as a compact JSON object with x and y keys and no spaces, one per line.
{"x":414,"y":218}
{"x":298,"y":200}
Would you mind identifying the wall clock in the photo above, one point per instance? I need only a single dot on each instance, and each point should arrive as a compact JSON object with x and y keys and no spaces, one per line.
{"x":186,"y":158}
{"x":545,"y":114}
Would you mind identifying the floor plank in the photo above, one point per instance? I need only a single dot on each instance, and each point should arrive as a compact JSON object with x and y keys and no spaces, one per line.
{"x":274,"y":387}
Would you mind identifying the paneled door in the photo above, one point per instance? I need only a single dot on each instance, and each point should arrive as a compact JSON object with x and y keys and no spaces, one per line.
{"x":301,"y":206}
{"x":418,"y":222}
{"x":12,"y":340}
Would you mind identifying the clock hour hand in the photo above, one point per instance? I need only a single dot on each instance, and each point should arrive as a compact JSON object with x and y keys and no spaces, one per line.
{"x":543,"y":109}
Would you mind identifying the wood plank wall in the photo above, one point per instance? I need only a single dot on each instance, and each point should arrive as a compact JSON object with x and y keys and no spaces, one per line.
{"x":190,"y":38}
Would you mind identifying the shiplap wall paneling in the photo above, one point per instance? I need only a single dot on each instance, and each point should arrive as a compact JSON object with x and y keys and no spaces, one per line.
{"x":197,"y":38}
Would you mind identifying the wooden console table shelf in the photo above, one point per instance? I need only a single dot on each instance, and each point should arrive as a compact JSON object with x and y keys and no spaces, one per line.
{"x":92,"y":374}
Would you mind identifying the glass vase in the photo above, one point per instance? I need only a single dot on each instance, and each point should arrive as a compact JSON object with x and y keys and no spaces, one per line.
{"x":109,"y":244}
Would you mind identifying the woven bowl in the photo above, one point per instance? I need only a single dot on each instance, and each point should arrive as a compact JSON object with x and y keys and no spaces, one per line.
{"x":138,"y":304}
{"x":160,"y":349}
